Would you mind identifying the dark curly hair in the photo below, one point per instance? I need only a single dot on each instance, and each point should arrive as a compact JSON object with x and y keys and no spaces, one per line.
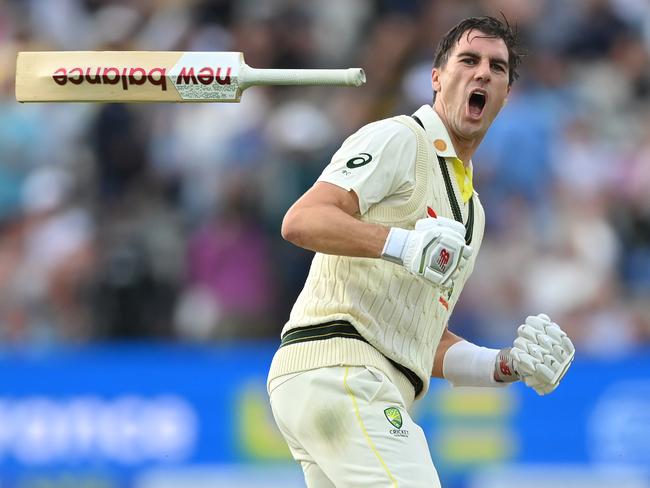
{"x":489,"y":27}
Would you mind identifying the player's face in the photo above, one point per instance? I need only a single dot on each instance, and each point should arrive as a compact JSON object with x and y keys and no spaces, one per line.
{"x":472,"y":87}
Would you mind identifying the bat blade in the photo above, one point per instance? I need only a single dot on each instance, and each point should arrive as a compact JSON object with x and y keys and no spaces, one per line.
{"x":146,"y":76}
{"x":127,"y":76}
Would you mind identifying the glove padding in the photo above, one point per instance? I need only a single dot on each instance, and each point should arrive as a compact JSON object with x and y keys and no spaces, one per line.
{"x":542,"y":353}
{"x":436,"y":250}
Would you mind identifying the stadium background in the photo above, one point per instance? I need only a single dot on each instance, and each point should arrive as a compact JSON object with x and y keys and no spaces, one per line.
{"x":143,"y":280}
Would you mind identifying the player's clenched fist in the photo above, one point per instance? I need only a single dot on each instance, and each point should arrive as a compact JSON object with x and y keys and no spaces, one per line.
{"x":540,"y":355}
{"x":435,"y":249}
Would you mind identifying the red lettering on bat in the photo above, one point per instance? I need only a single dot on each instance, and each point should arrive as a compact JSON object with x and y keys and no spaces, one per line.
{"x":78,"y":79}
{"x":224,"y":81}
{"x":60,"y":76}
{"x":95,"y":79}
{"x":160,"y":80}
{"x":186,"y":76}
{"x":111,"y":75}
{"x":206,"y":76}
{"x":137,"y":76}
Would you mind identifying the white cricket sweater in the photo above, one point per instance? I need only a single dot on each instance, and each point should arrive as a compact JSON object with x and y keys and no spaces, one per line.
{"x":402,"y":316}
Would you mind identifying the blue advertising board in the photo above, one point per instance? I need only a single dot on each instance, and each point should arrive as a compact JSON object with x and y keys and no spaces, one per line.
{"x":110,"y":416}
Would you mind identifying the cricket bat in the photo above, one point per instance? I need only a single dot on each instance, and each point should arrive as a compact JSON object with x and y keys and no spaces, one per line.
{"x":148,"y":76}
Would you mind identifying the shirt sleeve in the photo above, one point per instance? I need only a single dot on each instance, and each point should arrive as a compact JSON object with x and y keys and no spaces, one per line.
{"x":374,"y":162}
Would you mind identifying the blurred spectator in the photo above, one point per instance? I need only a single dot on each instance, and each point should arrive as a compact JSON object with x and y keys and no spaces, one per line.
{"x":597,"y":28}
{"x":134,"y":290}
{"x":119,"y":151}
{"x":229,"y":263}
{"x":48,"y":259}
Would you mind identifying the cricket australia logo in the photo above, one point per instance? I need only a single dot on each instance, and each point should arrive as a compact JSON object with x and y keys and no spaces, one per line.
{"x":394,"y":416}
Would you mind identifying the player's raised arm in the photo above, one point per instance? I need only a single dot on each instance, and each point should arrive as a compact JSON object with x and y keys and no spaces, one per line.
{"x":322,"y":220}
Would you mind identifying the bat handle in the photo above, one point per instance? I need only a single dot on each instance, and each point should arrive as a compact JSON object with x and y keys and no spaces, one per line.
{"x":341,"y":77}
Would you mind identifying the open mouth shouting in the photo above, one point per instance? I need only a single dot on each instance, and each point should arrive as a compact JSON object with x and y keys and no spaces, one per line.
{"x":476,"y":103}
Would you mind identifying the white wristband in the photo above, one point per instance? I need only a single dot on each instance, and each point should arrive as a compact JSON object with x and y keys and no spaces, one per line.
{"x":394,"y":245}
{"x":466,"y":364}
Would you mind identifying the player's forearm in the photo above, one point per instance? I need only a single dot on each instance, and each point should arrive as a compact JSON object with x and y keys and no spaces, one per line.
{"x":329,"y":230}
{"x":446,"y":341}
{"x":467,"y":364}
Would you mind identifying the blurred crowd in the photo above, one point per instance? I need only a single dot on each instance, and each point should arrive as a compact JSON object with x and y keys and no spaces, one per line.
{"x":162,"y":221}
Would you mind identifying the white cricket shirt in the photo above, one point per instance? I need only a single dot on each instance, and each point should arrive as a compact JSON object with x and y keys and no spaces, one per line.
{"x":378,"y":161}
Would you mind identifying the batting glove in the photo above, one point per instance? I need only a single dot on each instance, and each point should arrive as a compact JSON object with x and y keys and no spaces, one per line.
{"x":435,"y":249}
{"x":540,"y":356}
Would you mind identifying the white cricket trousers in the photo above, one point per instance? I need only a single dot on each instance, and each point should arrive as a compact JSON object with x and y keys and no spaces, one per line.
{"x":348,"y":428}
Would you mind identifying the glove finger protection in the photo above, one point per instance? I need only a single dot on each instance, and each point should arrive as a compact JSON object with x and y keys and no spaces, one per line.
{"x":543,"y":389}
{"x":542,"y":353}
{"x":532,"y":382}
{"x":552,"y":363}
{"x":546,"y":342}
{"x":537,"y":321}
{"x":544,"y":374}
{"x":560,"y":352}
{"x":528,"y":333}
{"x":567,"y":345}
{"x":523,"y":362}
{"x":556,"y":333}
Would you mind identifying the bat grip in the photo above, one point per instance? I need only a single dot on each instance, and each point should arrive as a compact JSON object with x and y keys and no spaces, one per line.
{"x":342,"y":77}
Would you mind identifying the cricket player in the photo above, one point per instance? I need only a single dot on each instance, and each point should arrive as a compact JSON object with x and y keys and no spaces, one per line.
{"x":396,"y":226}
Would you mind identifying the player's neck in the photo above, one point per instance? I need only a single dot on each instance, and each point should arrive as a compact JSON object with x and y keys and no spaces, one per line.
{"x":463,"y":146}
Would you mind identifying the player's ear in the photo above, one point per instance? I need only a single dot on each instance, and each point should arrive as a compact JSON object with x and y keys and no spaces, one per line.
{"x":435,"y":79}
{"x":505,"y":100}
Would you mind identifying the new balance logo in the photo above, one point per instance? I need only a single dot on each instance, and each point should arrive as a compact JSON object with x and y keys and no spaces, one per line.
{"x":503,"y":366}
{"x":443,"y":259}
